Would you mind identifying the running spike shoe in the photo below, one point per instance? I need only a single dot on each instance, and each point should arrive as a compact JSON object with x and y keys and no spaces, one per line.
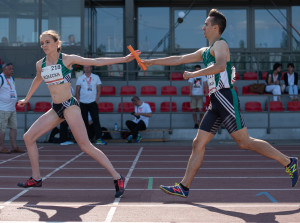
{"x":292,"y":170}
{"x":119,"y":185}
{"x":31,"y":183}
{"x":175,"y":190}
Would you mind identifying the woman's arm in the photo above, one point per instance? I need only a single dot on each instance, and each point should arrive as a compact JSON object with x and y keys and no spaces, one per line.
{"x":69,"y":60}
{"x":34,"y":85}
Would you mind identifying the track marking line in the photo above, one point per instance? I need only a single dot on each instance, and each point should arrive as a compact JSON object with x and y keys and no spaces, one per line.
{"x":23,"y":154}
{"x":112,"y":210}
{"x":44,"y":178}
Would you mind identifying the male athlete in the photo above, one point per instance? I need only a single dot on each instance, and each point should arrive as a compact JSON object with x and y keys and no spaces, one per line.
{"x":224,"y":106}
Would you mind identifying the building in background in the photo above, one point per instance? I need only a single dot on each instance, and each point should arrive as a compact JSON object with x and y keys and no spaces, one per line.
{"x":259,"y":32}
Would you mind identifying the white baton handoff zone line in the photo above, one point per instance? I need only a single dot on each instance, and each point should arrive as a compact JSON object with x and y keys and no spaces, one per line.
{"x":112,"y":210}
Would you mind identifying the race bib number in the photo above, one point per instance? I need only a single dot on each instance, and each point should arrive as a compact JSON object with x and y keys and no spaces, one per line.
{"x":12,"y":94}
{"x":211,"y":84}
{"x":52,"y":74}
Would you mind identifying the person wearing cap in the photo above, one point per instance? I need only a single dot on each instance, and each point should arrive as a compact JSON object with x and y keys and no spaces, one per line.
{"x":8,"y":116}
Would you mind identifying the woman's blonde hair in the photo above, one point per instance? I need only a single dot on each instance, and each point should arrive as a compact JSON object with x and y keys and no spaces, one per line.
{"x":55,"y":37}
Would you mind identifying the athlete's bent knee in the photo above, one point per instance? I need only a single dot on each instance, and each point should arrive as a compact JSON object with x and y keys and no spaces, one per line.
{"x":198,"y":145}
{"x":245,"y":144}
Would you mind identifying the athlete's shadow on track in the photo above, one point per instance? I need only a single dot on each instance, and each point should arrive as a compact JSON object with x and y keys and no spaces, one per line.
{"x":261,"y":217}
{"x":62,"y":214}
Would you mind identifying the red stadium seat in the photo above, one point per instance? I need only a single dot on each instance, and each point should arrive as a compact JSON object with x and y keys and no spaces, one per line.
{"x":293,"y":106}
{"x":253,"y":106}
{"x":237,"y":76}
{"x":128,"y":90}
{"x":264,"y":75}
{"x":148,"y":90}
{"x":275,"y":106}
{"x":42,"y":106}
{"x":127,"y":107}
{"x":152,"y":106}
{"x":282,"y":75}
{"x":108,"y":90}
{"x":186,"y":107}
{"x":105,"y":107}
{"x":185,"y":90}
{"x":22,"y":109}
{"x":246,"y":90}
{"x":165,"y":107}
{"x":176,"y":76}
{"x":168,"y":90}
{"x":250,"y":76}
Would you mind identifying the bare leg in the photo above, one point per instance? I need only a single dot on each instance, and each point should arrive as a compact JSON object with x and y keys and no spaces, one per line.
{"x":262,"y":147}
{"x":43,"y":124}
{"x":196,"y":158}
{"x":195,"y":117}
{"x":75,"y":121}
{"x":2,"y":136}
{"x":13,"y":138}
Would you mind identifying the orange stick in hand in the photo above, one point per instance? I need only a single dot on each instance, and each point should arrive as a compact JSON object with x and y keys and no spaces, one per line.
{"x":138,"y":59}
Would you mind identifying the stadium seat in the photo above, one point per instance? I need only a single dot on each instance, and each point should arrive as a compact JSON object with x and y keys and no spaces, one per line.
{"x":176,"y":76}
{"x":42,"y":106}
{"x":253,"y":106}
{"x":236,"y":90}
{"x":22,"y":109}
{"x":127,"y":107}
{"x":185,"y":90}
{"x":108,"y":90}
{"x":152,"y":106}
{"x":186,"y":106}
{"x":165,"y":107}
{"x":246,"y":90}
{"x":148,"y":90}
{"x":168,"y":90}
{"x":128,"y":90}
{"x":293,"y":106}
{"x":237,"y":76}
{"x":275,"y":106}
{"x":105,"y":107}
{"x":250,"y":76}
{"x":282,"y":75}
{"x":264,"y":75}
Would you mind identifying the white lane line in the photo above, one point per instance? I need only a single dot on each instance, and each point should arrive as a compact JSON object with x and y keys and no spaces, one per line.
{"x":112,"y":210}
{"x":5,"y":161}
{"x":142,"y":189}
{"x":44,"y":178}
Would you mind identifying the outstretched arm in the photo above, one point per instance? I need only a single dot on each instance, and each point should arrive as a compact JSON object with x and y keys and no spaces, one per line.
{"x":220,"y":51}
{"x":34,"y":85}
{"x":176,"y":60}
{"x":69,"y":60}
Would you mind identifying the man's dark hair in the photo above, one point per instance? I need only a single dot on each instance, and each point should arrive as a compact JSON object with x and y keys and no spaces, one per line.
{"x":218,"y":19}
{"x":135,"y":98}
{"x":276,"y":65}
{"x":197,"y":66}
{"x":291,"y":64}
{"x":6,"y":65}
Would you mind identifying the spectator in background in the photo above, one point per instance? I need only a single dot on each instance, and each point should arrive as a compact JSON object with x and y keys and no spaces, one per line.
{"x":142,"y":113}
{"x":88,"y":90}
{"x":71,"y":40}
{"x":198,"y":86}
{"x":291,"y":82}
{"x":273,"y":82}
{"x":4,"y":41}
{"x":8,"y":116}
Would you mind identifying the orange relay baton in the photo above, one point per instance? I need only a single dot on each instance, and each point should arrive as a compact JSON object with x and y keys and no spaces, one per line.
{"x":138,"y":59}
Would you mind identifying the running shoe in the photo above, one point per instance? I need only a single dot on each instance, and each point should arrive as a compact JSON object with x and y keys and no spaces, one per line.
{"x":129,"y":139}
{"x":31,"y":183}
{"x":66,"y":143}
{"x":175,"y":190}
{"x":138,"y":138}
{"x":292,"y":170}
{"x":119,"y":185}
{"x":101,"y":142}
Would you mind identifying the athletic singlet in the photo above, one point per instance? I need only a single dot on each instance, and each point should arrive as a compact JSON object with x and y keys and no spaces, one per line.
{"x":221,"y":80}
{"x":57,"y":73}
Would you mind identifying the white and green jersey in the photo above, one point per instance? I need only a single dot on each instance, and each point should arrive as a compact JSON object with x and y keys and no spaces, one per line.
{"x":221,"y":80}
